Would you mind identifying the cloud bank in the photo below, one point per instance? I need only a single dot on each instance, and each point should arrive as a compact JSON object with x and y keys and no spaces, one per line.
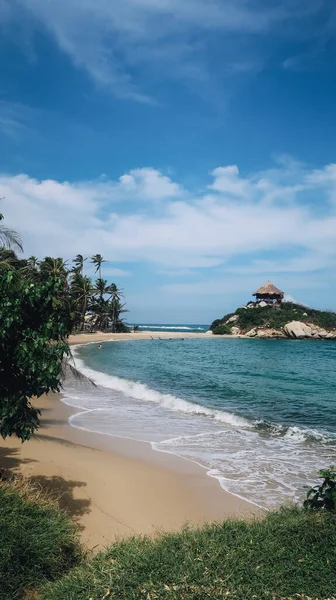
{"x":276,"y":221}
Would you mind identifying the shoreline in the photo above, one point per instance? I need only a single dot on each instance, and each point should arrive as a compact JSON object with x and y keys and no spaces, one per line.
{"x":116,"y":487}
{"x":86,"y":338}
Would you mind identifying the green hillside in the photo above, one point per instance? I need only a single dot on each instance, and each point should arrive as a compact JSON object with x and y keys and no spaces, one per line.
{"x":274,"y":317}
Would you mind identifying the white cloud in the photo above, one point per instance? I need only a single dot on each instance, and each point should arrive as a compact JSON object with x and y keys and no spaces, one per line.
{"x":148,"y":184}
{"x":111,"y":39}
{"x":185,"y":231}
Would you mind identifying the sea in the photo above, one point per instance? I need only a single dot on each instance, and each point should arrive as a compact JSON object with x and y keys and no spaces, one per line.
{"x":259,"y":415}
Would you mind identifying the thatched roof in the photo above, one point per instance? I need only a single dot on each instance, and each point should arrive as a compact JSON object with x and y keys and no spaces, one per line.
{"x":268,"y":289}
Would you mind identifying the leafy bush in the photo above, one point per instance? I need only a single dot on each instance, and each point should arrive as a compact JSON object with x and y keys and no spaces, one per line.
{"x":323,"y":497}
{"x":287,"y":553}
{"x":38,"y":542}
{"x":222,"y":329}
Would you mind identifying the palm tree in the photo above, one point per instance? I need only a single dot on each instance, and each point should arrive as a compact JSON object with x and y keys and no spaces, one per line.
{"x":32,"y":262}
{"x":116,"y":309}
{"x":79,"y":261}
{"x":9,"y":239}
{"x":116,"y":306}
{"x":81,"y":291}
{"x":100,"y":305}
{"x":54,"y":266}
{"x":97,"y":260}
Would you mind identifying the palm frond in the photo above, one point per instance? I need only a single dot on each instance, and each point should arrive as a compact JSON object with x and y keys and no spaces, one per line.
{"x":67,"y":368}
{"x":10,"y":239}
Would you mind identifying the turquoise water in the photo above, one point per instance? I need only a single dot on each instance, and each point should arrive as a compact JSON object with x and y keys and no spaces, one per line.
{"x":258,"y":414}
{"x":171,"y":328}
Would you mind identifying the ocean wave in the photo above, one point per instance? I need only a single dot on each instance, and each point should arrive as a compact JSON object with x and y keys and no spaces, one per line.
{"x":294,"y":433}
{"x":140,"y":391}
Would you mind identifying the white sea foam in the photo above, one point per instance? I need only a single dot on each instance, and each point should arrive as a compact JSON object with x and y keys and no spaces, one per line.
{"x":140,"y":391}
{"x":263,"y":462}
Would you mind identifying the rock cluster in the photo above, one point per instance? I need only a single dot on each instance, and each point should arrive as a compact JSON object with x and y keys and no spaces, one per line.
{"x":299,"y":330}
{"x":294,"y":329}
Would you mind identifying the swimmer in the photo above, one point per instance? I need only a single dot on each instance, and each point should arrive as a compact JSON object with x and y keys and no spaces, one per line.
{"x":100,"y":347}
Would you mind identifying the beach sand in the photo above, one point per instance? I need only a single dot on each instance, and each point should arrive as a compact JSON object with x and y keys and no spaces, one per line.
{"x":114,"y":487}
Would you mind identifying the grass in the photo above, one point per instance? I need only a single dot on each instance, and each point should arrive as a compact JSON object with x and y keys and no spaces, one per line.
{"x":38,"y":542}
{"x":289,"y":552}
{"x":277,"y":317}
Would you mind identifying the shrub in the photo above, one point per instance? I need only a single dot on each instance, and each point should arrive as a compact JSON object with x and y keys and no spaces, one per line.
{"x":222,"y":329}
{"x":38,"y":542}
{"x":323,"y":497}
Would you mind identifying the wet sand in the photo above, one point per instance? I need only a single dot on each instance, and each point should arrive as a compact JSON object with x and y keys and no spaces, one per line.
{"x":114,"y":487}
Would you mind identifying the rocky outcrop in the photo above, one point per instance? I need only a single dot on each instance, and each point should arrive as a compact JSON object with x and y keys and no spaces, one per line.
{"x":299,"y":330}
{"x":232,"y":319}
{"x":268,"y":333}
{"x":235,"y":330}
{"x":252,"y":333}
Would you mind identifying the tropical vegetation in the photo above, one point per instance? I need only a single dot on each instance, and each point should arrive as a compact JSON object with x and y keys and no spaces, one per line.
{"x":276,"y":317}
{"x":41,"y":303}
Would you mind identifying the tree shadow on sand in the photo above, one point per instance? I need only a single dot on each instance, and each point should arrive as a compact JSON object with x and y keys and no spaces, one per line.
{"x":10,"y":462}
{"x":62,"y":491}
{"x":57,"y":488}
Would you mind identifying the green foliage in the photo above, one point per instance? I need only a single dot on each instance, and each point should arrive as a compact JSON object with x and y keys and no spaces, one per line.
{"x":277,"y":317}
{"x":288,"y":552}
{"x":323,"y":496}
{"x":222,"y":329}
{"x":38,"y":543}
{"x":34,"y":324}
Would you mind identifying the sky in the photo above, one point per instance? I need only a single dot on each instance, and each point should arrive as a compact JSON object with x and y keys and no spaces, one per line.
{"x":190,"y":142}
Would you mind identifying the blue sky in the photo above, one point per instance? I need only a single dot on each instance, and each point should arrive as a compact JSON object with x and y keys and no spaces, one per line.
{"x":191,"y":142}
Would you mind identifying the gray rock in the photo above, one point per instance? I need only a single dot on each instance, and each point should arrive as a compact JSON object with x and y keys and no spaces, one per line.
{"x":298,"y":330}
{"x":232,"y":319}
{"x":235,"y":330}
{"x":251,"y":333}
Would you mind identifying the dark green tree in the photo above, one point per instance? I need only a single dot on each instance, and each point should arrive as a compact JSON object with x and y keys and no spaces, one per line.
{"x":35,"y":322}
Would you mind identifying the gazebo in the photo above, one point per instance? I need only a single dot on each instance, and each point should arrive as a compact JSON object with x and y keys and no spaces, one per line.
{"x":270,"y":294}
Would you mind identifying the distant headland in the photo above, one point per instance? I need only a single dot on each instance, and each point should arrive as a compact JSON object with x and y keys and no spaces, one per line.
{"x":269,"y":316}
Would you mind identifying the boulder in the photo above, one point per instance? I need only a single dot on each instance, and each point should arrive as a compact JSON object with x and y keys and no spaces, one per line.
{"x":251,"y":333}
{"x":235,"y":330}
{"x":262,"y":304}
{"x":298,"y":330}
{"x":232,"y":319}
{"x":330,"y":336}
{"x":250,"y":305}
{"x":269,"y":333}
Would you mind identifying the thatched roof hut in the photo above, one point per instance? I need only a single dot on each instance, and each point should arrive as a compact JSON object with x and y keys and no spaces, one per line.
{"x":269,"y":293}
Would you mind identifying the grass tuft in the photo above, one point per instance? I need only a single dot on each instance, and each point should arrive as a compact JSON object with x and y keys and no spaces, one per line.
{"x":289,"y":554}
{"x":38,"y":542}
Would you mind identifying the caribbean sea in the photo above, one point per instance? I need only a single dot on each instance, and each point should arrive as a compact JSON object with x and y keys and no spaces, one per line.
{"x":260,"y":415}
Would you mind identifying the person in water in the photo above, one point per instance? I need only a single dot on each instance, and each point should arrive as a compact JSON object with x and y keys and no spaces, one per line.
{"x":100,"y":347}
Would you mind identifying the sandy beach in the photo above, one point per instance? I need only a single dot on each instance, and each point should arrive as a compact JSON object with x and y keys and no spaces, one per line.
{"x":84,"y":338}
{"x":112,"y":486}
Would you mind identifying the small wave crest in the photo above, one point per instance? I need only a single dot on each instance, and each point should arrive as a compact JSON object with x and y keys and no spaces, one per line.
{"x":294,"y":433}
{"x":140,"y":391}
